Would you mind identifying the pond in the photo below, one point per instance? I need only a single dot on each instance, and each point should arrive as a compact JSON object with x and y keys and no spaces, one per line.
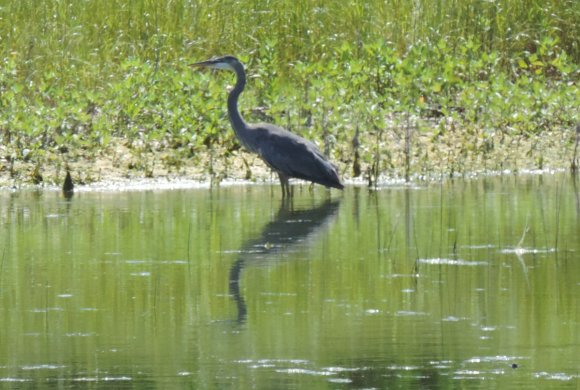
{"x":465,"y":283}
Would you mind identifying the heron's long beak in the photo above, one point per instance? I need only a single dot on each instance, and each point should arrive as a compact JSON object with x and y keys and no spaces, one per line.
{"x":202,"y":64}
{"x":217,"y":63}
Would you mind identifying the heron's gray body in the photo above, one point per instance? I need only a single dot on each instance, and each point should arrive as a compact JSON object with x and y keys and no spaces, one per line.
{"x":290,"y":155}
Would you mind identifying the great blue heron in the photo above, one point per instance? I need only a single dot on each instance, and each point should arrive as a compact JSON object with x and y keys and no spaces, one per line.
{"x":286,"y":153}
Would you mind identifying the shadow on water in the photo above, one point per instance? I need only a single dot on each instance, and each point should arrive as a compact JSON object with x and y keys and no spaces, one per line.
{"x":291,"y":230}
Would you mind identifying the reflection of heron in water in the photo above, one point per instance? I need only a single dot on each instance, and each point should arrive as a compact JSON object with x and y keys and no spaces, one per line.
{"x":286,"y":233}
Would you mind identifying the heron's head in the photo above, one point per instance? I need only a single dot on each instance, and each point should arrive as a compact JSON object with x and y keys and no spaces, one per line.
{"x":226,"y":62}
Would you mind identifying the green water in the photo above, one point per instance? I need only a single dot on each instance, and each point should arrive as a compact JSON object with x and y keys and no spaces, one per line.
{"x":467,"y":284}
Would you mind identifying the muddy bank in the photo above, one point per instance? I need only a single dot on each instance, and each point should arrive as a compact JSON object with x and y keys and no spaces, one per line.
{"x":383,"y":157}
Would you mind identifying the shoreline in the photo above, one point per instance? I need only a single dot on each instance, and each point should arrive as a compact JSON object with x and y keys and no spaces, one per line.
{"x":432,"y":158}
{"x":181,"y":183}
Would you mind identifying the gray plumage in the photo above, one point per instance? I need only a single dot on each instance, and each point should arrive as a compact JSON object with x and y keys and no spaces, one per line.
{"x":290,"y":155}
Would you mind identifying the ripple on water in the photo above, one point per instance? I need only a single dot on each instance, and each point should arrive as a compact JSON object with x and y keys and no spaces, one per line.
{"x":103,"y":379}
{"x":137,"y":261}
{"x":491,"y":359}
{"x":80,"y":334}
{"x":304,"y":371}
{"x":556,"y":376}
{"x":479,"y":367}
{"x":482,"y":246}
{"x":343,"y":369}
{"x":340,"y":380}
{"x":397,"y":367}
{"x":443,"y":261}
{"x":441,"y":364}
{"x":453,"y":319}
{"x":46,"y":310}
{"x":397,"y":276}
{"x":141,"y":262}
{"x":301,"y":367}
{"x":526,"y":251}
{"x":406,"y":313}
{"x":42,"y":367}
{"x":141,"y":274}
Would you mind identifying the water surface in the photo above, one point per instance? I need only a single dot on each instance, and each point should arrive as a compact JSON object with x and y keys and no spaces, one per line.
{"x":472,"y":284}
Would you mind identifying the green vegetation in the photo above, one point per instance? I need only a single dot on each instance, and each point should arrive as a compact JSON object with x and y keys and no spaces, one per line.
{"x":417,"y":87}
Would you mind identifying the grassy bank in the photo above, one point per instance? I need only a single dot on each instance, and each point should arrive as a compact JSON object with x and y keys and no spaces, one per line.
{"x":386,"y":88}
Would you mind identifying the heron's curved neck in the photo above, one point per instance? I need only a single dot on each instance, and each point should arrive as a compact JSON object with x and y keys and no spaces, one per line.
{"x":236,"y":119}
